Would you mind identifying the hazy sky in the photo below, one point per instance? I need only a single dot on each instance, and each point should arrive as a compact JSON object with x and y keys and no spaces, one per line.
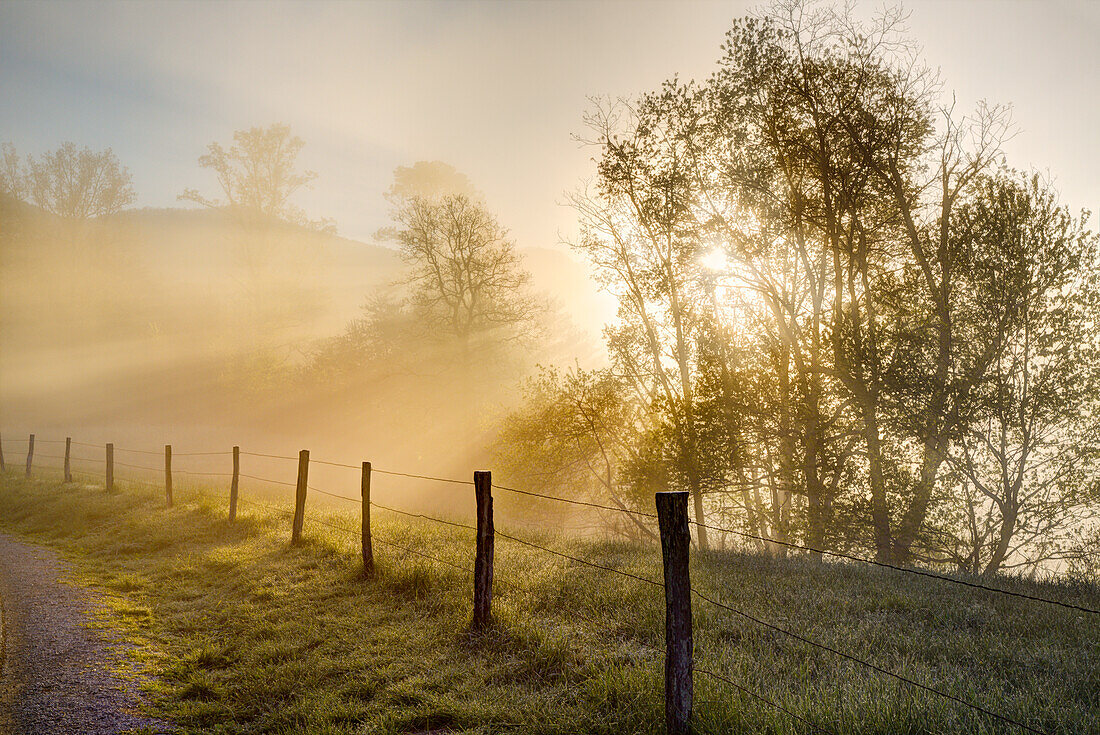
{"x":494,"y":88}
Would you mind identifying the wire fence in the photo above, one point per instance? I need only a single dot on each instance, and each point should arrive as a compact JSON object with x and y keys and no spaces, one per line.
{"x":298,"y":517}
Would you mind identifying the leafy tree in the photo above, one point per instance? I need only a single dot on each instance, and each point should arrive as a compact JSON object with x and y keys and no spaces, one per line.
{"x":431,"y":180}
{"x":576,"y":429}
{"x":638,"y":231}
{"x":824,"y":130}
{"x":1027,"y":458}
{"x":805,"y":313}
{"x":257,"y":175}
{"x":73,"y":183}
{"x":13,"y":181}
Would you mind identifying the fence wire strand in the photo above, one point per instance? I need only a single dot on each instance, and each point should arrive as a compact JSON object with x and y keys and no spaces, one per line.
{"x":761,"y":698}
{"x":700,"y":595}
{"x":802,"y":547}
{"x":637,"y":513}
{"x":868,"y":664}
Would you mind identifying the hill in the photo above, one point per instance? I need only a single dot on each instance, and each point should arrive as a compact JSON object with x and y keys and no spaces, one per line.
{"x":158,"y":297}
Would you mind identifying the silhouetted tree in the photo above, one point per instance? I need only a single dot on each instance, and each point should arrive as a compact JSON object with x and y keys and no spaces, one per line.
{"x":804,"y":314}
{"x":465,"y":278}
{"x":1027,"y":460}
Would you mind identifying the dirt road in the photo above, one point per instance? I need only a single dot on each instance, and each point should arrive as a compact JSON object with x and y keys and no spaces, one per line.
{"x":57,"y":675}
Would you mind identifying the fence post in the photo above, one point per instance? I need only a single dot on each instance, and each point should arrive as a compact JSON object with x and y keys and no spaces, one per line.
{"x":235,"y":484}
{"x":368,"y":549}
{"x":675,"y":542}
{"x":110,"y":467}
{"x":3,"y":467}
{"x":30,"y":454}
{"x":300,"y":496}
{"x":68,"y":454}
{"x":168,"y":474}
{"x":483,"y":562}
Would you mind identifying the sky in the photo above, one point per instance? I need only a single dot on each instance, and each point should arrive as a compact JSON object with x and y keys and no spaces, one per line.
{"x":497,"y":89}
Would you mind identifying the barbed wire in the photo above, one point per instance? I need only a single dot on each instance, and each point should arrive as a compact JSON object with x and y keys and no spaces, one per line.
{"x":423,"y":477}
{"x":267,"y":456}
{"x":265,"y":479}
{"x":906,"y":570}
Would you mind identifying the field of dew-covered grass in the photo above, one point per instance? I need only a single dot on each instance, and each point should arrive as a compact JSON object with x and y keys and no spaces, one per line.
{"x":234,"y":630}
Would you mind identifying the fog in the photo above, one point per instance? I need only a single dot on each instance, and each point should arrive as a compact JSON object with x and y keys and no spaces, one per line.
{"x":203,"y":330}
{"x":603,"y":250}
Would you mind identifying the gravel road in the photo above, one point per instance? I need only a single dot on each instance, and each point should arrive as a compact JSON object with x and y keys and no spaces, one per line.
{"x":56,"y":671}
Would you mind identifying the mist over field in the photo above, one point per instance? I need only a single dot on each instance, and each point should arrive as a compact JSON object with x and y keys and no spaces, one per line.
{"x":853,"y":312}
{"x":549,"y":367}
{"x":196,"y":326}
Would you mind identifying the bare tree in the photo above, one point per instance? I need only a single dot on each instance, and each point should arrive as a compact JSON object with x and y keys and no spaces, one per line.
{"x":258,"y":174}
{"x":78,"y":184}
{"x":466,"y":278}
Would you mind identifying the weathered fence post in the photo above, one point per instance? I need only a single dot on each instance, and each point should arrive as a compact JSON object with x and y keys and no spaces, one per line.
{"x":110,"y":467}
{"x":168,"y":475}
{"x":300,"y":496}
{"x":368,"y":550}
{"x":235,"y":484}
{"x":3,"y":467}
{"x":68,"y":463}
{"x":30,"y":454}
{"x":483,"y":562}
{"x":675,"y":542}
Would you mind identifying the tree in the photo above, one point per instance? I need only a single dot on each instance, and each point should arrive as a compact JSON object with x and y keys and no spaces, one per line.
{"x":1027,"y":460}
{"x":431,"y":180}
{"x":13,"y":180}
{"x":76,"y":184}
{"x":826,"y":128}
{"x":576,"y":429}
{"x":639,"y":233}
{"x":466,"y":280}
{"x":258,"y":174}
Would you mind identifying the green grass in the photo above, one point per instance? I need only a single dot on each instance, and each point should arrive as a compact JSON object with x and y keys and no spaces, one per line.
{"x":235,"y":631}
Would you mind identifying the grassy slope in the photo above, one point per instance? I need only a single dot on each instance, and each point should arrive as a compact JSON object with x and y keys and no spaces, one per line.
{"x":242,"y":633}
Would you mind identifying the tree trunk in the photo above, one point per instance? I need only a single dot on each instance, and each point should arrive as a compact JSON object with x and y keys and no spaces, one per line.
{"x":1009,"y":515}
{"x":880,"y":511}
{"x":915,"y":514}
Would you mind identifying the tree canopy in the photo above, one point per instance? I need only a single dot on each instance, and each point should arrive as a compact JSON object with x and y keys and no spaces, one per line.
{"x":257,"y":176}
{"x":845,"y":321}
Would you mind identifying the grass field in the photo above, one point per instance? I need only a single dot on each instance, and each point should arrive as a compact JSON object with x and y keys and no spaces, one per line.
{"x":238,"y":632}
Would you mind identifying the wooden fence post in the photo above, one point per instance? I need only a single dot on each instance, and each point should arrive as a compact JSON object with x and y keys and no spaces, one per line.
{"x":483,"y":562}
{"x":235,"y":484}
{"x":110,"y":467}
{"x":300,"y":496}
{"x":168,"y":474}
{"x":68,"y":455}
{"x":30,"y":454}
{"x":368,"y":549}
{"x":3,"y":467}
{"x":675,"y":542}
